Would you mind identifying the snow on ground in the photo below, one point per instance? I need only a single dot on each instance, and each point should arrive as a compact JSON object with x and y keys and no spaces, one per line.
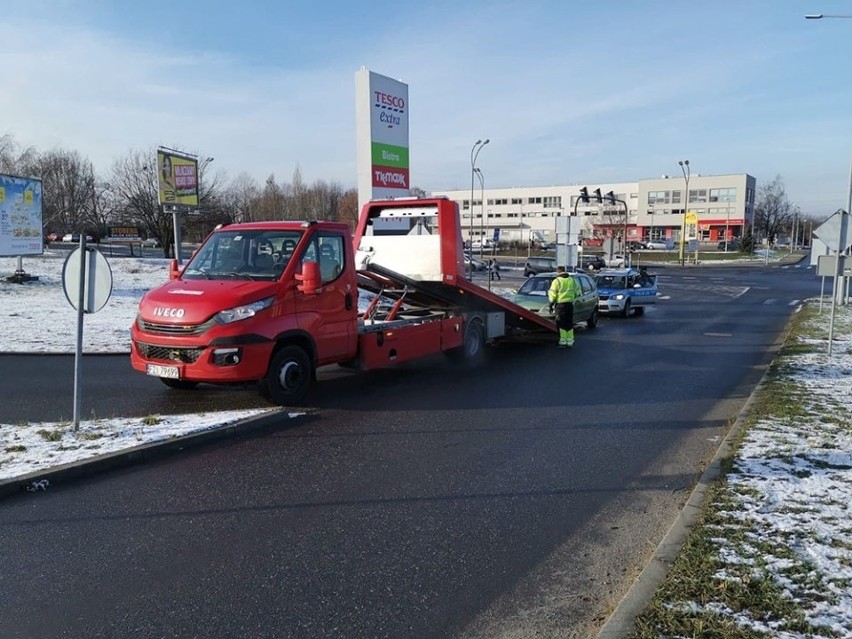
{"x":793,"y":478}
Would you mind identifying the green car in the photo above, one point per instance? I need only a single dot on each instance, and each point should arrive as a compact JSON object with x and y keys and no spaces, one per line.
{"x":533,"y":296}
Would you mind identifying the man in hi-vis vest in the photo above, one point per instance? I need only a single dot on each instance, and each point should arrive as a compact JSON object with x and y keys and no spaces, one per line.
{"x":564,"y":289}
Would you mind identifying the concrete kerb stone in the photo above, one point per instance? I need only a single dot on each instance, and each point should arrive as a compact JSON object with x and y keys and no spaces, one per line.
{"x":45,"y":479}
{"x":621,"y":622}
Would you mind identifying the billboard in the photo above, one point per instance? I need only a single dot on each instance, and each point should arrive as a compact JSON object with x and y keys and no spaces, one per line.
{"x":381,"y":115}
{"x":20,"y":216}
{"x":177,"y":179}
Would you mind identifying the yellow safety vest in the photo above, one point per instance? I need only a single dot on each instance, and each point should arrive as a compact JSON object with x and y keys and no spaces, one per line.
{"x":563,"y":289}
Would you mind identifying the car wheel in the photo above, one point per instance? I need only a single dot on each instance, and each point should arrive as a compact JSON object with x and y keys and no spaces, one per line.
{"x":592,"y":322}
{"x":639,"y":310}
{"x":289,"y":376}
{"x":626,"y":311}
{"x":180,"y":384}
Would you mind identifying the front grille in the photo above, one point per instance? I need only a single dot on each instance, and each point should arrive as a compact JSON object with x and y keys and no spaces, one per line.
{"x":165,"y":353}
{"x":604,"y":298}
{"x":174,"y":329}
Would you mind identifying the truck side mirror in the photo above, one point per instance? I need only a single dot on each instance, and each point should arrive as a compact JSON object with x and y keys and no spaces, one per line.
{"x":174,"y":271}
{"x":309,"y":279}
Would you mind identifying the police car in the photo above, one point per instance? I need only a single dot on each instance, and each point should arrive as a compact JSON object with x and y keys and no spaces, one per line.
{"x":625,"y":290}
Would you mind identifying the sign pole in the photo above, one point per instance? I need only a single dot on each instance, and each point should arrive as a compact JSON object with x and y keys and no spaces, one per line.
{"x":844,"y":221}
{"x":78,"y":351}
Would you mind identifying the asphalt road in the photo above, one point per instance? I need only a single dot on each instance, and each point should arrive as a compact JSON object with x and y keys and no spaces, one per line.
{"x":516,"y":500}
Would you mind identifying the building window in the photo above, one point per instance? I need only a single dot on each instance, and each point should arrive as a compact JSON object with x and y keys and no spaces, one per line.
{"x":723,"y":195}
{"x":658,"y":197}
{"x":501,"y":201}
{"x":553,"y":202}
{"x":676,"y":197}
{"x":697,"y":195}
{"x":465,"y":205}
{"x":516,"y":200}
{"x":534,"y":200}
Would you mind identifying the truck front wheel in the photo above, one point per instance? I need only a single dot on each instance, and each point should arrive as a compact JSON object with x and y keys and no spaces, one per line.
{"x":289,"y":377}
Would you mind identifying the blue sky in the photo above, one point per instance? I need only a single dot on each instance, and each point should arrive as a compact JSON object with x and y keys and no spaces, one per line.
{"x":568,"y":92}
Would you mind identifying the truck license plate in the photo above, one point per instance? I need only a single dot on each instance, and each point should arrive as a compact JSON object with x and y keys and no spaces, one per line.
{"x":170,"y":372}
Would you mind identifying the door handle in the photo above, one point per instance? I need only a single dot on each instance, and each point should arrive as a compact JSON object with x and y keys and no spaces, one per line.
{"x":348,"y":301}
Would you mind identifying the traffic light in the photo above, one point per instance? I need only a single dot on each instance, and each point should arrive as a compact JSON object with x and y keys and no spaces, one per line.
{"x":610,"y":197}
{"x":584,"y":195}
{"x":597,"y":193}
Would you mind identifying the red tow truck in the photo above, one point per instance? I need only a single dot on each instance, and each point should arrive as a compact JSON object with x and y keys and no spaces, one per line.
{"x":272,"y":301}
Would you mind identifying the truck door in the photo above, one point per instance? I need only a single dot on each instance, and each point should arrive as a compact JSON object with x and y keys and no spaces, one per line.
{"x":331,"y":315}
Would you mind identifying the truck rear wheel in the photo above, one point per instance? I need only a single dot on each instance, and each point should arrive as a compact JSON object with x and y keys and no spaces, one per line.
{"x":289,"y":377}
{"x":472,"y":349}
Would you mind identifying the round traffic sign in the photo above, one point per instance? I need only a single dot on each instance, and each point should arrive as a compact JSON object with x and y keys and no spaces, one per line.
{"x":97,"y":285}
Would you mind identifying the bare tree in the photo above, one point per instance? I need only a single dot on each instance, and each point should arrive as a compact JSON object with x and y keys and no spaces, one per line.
{"x":67,"y":180}
{"x":133,"y":181}
{"x":14,"y":160}
{"x":241,"y":198}
{"x":773,"y":212}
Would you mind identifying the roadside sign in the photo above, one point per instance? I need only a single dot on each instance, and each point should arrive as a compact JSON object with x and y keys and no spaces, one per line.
{"x":829,"y":232}
{"x":97,"y":282}
{"x":496,"y":235}
{"x":827,"y":266}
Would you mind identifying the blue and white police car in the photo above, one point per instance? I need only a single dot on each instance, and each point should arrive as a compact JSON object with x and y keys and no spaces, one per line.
{"x":625,"y":290}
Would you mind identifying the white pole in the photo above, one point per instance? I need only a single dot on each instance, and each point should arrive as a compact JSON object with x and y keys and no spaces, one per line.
{"x":844,"y":217}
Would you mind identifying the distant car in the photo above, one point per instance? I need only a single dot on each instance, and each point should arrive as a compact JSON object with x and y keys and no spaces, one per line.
{"x":635,"y":245}
{"x":74,"y":237}
{"x":657,"y":245}
{"x":536,"y":265}
{"x":52,"y":237}
{"x":592,"y":262}
{"x":532,"y":295}
{"x":734,"y":244}
{"x":616,"y":260}
{"x":151,"y":242}
{"x":485,"y":244}
{"x":475,"y":263}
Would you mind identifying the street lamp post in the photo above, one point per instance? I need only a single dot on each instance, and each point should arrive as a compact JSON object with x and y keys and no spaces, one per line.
{"x":481,"y":210}
{"x":474,"y":153}
{"x":684,"y":167}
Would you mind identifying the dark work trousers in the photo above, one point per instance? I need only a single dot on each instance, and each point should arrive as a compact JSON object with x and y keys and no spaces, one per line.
{"x":565,"y":316}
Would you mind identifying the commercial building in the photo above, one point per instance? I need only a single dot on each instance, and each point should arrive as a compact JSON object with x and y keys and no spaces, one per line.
{"x":656,"y":208}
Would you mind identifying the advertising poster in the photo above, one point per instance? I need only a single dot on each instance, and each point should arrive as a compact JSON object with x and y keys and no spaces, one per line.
{"x":20,"y":216}
{"x":177,"y":177}
{"x":381,"y":113}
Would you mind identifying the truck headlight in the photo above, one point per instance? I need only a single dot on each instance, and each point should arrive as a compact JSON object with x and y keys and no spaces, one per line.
{"x":243,"y":312}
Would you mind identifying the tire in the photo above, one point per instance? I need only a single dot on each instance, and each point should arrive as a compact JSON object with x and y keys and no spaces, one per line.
{"x":592,"y":322}
{"x":639,"y":310}
{"x":180,"y":384}
{"x":472,"y":349}
{"x":289,"y":377}
{"x":626,"y":311}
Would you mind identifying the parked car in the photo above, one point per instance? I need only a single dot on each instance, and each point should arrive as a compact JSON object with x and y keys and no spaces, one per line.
{"x":151,"y":242}
{"x":484,"y":244}
{"x":592,"y":262}
{"x":616,"y":260}
{"x":532,"y":295}
{"x":734,"y":244}
{"x":536,"y":265}
{"x":74,"y":237}
{"x":635,"y":245}
{"x":475,"y":263}
{"x":658,"y":245}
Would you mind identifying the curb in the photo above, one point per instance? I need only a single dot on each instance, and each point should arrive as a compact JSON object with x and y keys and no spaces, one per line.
{"x":35,"y":481}
{"x":621,"y":622}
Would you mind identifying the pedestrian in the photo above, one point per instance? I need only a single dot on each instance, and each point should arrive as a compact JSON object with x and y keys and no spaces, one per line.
{"x":493,"y":270}
{"x":564,"y":289}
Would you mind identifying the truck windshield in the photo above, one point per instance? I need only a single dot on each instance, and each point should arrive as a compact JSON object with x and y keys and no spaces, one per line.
{"x":609,"y":281}
{"x":243,"y":254}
